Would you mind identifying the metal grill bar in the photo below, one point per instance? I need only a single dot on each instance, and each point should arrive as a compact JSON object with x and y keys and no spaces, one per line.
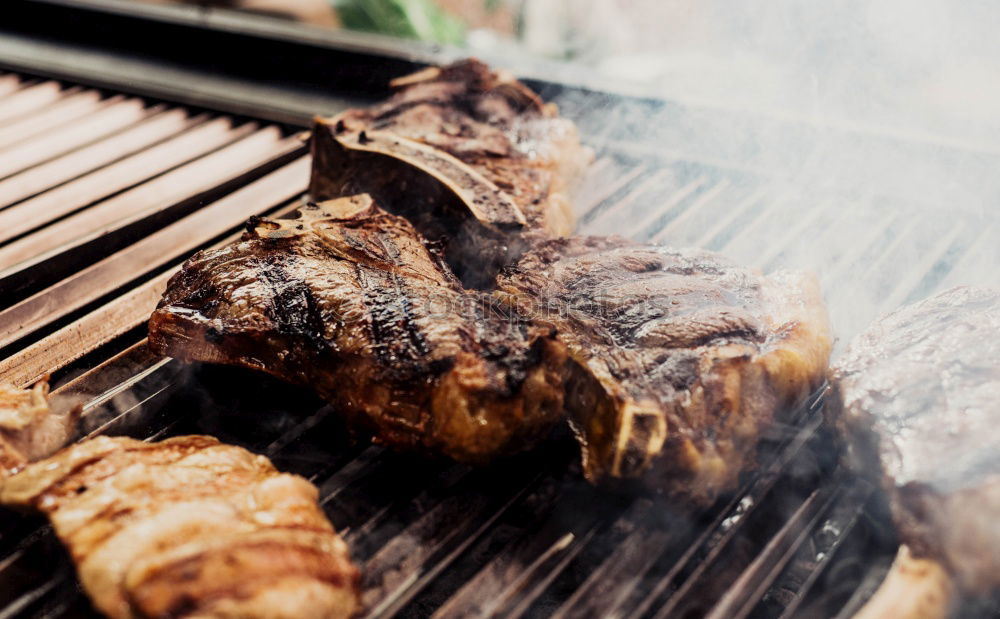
{"x":68,"y":109}
{"x":8,"y":83}
{"x":599,"y":187}
{"x":819,"y":551}
{"x":30,"y":98}
{"x":186,"y":183}
{"x":151,"y":252}
{"x":103,"y":182}
{"x":63,"y":139}
{"x":57,"y":171}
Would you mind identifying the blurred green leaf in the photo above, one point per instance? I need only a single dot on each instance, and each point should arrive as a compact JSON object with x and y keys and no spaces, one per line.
{"x":412,"y":19}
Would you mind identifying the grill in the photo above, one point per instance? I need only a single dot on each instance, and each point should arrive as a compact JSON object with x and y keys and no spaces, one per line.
{"x":109,"y":181}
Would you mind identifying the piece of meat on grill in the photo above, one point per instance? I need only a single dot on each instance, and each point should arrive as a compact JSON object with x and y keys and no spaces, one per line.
{"x":29,"y":428}
{"x":189,"y":527}
{"x":348,"y":300}
{"x":680,"y":358}
{"x":920,"y":391}
{"x":470,"y":156}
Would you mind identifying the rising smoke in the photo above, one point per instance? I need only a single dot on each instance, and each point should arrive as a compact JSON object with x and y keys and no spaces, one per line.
{"x":860,"y":140}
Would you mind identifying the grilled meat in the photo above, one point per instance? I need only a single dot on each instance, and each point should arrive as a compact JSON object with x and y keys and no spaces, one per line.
{"x":470,"y":156}
{"x":189,"y":527}
{"x":679,"y":358}
{"x":349,"y":301}
{"x":920,"y":391}
{"x":29,"y":428}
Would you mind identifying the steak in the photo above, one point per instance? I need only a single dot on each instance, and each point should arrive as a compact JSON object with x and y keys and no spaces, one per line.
{"x":350,"y":301}
{"x":189,"y":527}
{"x":472,"y":157}
{"x":679,"y":358}
{"x":670,"y":363}
{"x":920,"y":391}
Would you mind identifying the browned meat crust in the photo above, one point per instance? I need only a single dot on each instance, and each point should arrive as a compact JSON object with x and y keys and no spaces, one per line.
{"x":680,"y":358}
{"x":470,"y":156}
{"x":349,"y":301}
{"x":920,"y":391}
{"x":189,"y":527}
{"x":29,"y":428}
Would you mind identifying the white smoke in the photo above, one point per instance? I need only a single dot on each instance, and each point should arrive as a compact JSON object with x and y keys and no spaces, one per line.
{"x":868,"y":132}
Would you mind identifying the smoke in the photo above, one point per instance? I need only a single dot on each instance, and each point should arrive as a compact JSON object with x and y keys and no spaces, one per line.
{"x":858,"y":140}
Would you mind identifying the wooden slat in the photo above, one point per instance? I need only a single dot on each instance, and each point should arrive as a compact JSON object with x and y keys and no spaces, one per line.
{"x":95,"y":329}
{"x":65,"y":110}
{"x":185,"y":183}
{"x":63,"y":139}
{"x":135,"y":138}
{"x":28,"y":99}
{"x":152,"y":252}
{"x":54,"y":204}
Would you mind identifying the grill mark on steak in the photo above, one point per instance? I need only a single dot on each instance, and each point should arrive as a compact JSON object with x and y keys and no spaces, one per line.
{"x":396,"y":340}
{"x":291,"y":304}
{"x":416,"y":360}
{"x":680,"y":358}
{"x":407,"y":319}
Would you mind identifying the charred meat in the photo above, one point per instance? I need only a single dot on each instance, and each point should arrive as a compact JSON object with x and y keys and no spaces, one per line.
{"x":679,"y":358}
{"x":920,"y":392}
{"x":470,"y":156}
{"x":189,"y":527}
{"x":29,"y":428}
{"x":350,"y":301}
{"x":670,"y":363}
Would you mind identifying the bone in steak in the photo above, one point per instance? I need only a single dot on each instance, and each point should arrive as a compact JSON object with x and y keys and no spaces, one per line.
{"x":470,"y":156}
{"x":189,"y":527}
{"x":921,"y":404}
{"x":680,"y":358}
{"x":348,"y":300}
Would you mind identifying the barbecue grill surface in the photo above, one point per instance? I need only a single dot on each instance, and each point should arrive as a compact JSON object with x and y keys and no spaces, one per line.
{"x":103,"y":194}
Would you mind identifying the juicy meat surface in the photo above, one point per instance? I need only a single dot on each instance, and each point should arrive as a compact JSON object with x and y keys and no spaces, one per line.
{"x":679,"y":358}
{"x":348,"y":300}
{"x":189,"y":527}
{"x":29,"y":428}
{"x":470,"y":156}
{"x":921,"y":404}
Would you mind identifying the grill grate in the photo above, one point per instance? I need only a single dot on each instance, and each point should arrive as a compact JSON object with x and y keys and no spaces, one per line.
{"x":97,"y":209}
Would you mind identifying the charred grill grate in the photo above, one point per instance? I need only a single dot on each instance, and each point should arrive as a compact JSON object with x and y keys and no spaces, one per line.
{"x":98,"y":219}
